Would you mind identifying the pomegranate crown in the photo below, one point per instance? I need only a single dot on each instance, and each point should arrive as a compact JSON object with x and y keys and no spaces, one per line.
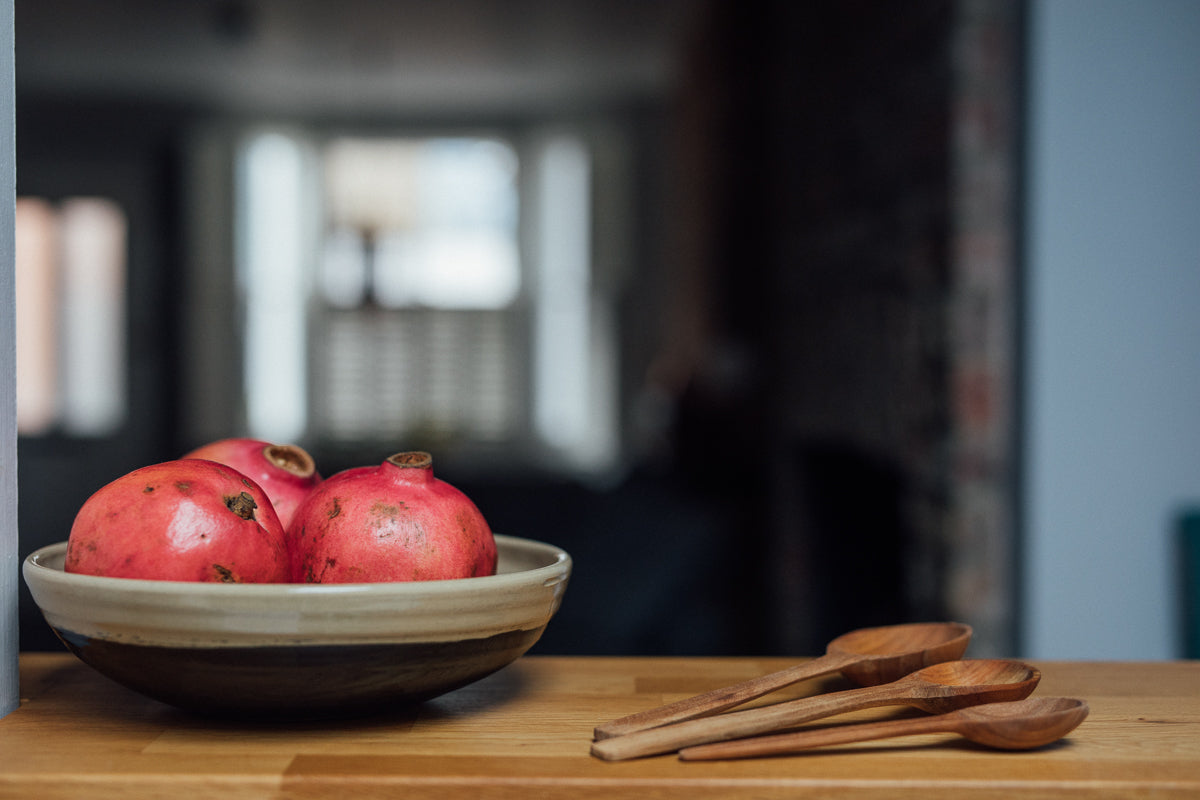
{"x":412,"y":459}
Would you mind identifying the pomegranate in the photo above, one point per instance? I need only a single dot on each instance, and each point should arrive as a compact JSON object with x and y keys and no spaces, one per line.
{"x":393,"y":522}
{"x":184,"y":520}
{"x":284,"y":471}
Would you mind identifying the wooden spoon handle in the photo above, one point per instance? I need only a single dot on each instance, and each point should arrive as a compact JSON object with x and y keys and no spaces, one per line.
{"x":786,"y":743}
{"x":751,"y":722}
{"x":703,"y":705}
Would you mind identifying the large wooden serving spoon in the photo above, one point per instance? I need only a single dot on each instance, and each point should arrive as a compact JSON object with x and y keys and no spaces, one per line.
{"x":868,"y":657}
{"x":1015,"y":725}
{"x":937,"y":689}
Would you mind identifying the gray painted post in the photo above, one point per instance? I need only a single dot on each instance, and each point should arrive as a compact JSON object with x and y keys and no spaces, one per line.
{"x":9,"y":566}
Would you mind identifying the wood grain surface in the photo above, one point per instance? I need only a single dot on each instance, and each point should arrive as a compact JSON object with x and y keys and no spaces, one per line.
{"x":525,"y":732}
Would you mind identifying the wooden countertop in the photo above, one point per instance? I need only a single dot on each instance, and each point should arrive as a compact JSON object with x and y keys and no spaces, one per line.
{"x":525,"y":731}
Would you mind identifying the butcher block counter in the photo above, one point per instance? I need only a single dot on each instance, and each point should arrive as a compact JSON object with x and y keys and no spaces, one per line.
{"x":525,"y":732}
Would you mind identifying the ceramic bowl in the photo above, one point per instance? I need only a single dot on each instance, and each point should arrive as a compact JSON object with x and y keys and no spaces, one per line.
{"x":301,"y":649}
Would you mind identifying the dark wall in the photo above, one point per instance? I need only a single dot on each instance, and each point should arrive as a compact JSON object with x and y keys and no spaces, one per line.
{"x":126,"y":152}
{"x":805,"y":490}
{"x":800,"y":490}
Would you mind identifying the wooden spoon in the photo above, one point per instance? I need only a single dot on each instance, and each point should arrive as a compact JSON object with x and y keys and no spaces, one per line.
{"x":938,"y":689}
{"x":868,"y":657}
{"x":1016,"y":725}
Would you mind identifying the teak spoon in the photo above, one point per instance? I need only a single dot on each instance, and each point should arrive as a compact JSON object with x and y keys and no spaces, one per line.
{"x":1015,"y":725}
{"x":937,"y":689}
{"x":867,"y":657}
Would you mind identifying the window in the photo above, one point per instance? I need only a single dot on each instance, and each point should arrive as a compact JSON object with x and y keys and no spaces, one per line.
{"x":426,"y":290}
{"x":70,"y":298}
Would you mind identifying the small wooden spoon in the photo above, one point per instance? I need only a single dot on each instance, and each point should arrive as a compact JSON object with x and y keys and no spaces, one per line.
{"x":937,"y":689}
{"x":868,"y":657}
{"x":1016,"y":725}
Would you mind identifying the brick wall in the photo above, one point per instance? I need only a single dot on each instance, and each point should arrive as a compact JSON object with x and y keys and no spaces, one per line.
{"x":983,"y":304}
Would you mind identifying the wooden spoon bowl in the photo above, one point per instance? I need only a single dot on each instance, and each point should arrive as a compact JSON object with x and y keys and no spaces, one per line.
{"x":1021,"y":724}
{"x":882,"y":655}
{"x":940,"y":688}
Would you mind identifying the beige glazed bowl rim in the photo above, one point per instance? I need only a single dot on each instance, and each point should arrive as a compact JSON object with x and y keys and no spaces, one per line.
{"x":523,"y":595}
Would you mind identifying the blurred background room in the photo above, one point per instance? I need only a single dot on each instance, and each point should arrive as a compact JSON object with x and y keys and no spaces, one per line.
{"x":782,"y":318}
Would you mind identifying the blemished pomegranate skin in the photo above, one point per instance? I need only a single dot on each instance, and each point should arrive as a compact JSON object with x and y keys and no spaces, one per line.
{"x":391,"y":522}
{"x":182,"y":520}
{"x":286,"y":472}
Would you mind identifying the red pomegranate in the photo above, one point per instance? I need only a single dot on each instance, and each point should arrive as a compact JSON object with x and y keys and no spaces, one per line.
{"x":184,"y":520}
{"x":285,"y":472}
{"x":393,"y":522}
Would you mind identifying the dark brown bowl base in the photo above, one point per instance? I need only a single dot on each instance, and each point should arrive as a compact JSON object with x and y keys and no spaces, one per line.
{"x":298,"y":682}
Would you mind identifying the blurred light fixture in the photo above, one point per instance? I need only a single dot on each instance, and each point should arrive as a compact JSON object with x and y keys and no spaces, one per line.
{"x":433,"y":220}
